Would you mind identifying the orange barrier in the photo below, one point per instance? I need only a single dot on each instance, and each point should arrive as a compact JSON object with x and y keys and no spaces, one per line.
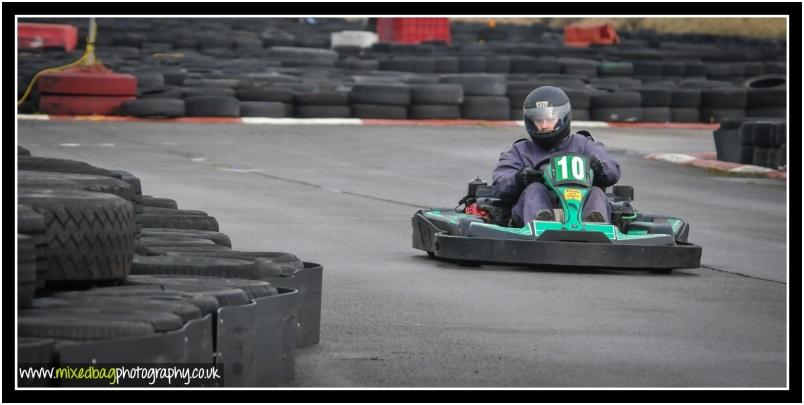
{"x":37,"y":35}
{"x":585,"y":35}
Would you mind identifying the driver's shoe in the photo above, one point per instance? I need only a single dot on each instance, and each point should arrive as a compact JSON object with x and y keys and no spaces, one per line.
{"x":595,"y":216}
{"x":545,"y":215}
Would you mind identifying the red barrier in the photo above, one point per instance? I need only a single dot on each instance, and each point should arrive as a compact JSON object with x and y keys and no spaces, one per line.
{"x":585,"y":35}
{"x":81,"y":105}
{"x":36,"y":35}
{"x":413,"y":30}
{"x":88,"y":80}
{"x":85,"y":90}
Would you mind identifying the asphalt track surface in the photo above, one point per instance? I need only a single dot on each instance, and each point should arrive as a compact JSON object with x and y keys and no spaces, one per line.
{"x":343,"y":196}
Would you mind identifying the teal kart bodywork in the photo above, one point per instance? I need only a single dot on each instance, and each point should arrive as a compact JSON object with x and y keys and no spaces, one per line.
{"x":631,"y":241}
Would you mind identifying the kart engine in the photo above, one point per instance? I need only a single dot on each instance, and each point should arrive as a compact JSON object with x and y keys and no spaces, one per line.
{"x":481,"y":202}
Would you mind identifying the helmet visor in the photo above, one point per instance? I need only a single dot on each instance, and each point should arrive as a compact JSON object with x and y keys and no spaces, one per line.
{"x":545,"y":119}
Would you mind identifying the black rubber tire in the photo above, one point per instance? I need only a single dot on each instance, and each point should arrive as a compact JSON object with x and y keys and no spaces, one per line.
{"x":747,"y":154}
{"x":577,"y":115}
{"x":781,"y":156}
{"x":382,"y":111}
{"x":164,"y":250}
{"x":685,"y":115}
{"x":446,"y":64}
{"x":471,"y":64}
{"x":206,"y":303}
{"x":485,"y":108}
{"x":578,"y":66}
{"x":724,"y":98}
{"x":323,"y":111}
{"x":436,"y":94}
{"x":45,"y":164}
{"x":253,"y":288}
{"x":79,"y":328}
{"x":224,"y":295}
{"x":148,"y":79}
{"x":497,"y":64}
{"x":189,"y":92}
{"x":86,"y":299}
{"x":579,"y":99}
{"x":780,"y":134}
{"x":172,"y":241}
{"x":289,"y":52}
{"x":270,"y":264}
{"x":26,"y":270}
{"x":655,"y":96}
{"x":270,"y":109}
{"x":609,"y":68}
{"x":760,"y":157}
{"x":200,"y":222}
{"x":615,"y":100}
{"x":218,"y":83}
{"x":216,"y":237}
{"x":621,"y":114}
{"x":432,"y":111}
{"x":718,"y":114}
{"x":32,"y":224}
{"x":774,"y":112}
{"x":685,"y":98}
{"x":158,"y":92}
{"x":765,"y":98}
{"x":153,"y":107}
{"x":478,"y":84}
{"x":212,"y":106}
{"x":766,"y":81}
{"x":335,"y":97}
{"x":657,"y":114}
{"x":159,"y":202}
{"x":276,"y":94}
{"x":762,"y":134}
{"x":161,"y":321}
{"x":771,"y":162}
{"x":647,"y":68}
{"x":195,"y":266}
{"x":171,"y":211}
{"x":86,"y":182}
{"x":90,"y":235}
{"x":379,"y":94}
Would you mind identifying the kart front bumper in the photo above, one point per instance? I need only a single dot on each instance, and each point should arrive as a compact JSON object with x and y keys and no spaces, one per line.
{"x":428,"y":237}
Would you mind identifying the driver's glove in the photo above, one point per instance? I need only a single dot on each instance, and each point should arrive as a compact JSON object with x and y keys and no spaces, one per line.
{"x":597,"y":167}
{"x":528,"y":175}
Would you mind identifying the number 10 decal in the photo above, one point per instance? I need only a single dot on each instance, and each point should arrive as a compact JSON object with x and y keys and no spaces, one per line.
{"x":577,"y":169}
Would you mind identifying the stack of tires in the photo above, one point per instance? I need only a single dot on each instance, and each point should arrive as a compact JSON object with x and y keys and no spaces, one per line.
{"x":484,"y":95}
{"x":616,"y":106}
{"x":243,"y":68}
{"x":107,"y":274}
{"x":767,"y":96}
{"x":380,"y":100}
{"x":763,"y":143}
{"x":436,"y":101}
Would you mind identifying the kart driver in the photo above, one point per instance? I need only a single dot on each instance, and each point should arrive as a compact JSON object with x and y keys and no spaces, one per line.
{"x":547,"y":115}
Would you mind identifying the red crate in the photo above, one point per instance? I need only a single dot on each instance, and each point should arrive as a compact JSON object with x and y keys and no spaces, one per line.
{"x":35,"y":35}
{"x":413,"y":30}
{"x":587,"y":34}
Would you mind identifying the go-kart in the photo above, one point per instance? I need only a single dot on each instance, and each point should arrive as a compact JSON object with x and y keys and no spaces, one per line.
{"x":479,"y":228}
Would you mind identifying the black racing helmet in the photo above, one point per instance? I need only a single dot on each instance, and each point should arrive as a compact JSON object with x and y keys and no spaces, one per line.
{"x":547,"y":103}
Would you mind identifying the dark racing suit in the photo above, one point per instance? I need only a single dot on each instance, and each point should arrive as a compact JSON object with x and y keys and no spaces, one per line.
{"x":535,"y":197}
